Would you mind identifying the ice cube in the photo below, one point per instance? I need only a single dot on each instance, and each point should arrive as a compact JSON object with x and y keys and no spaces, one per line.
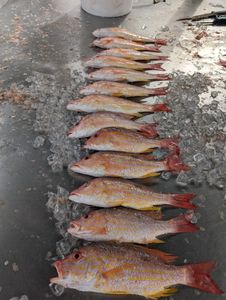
{"x":166,"y":175}
{"x":38,"y":142}
{"x":56,"y":289}
{"x":182,"y":179}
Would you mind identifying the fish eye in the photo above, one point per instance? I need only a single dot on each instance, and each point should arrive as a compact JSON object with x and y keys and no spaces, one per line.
{"x":77,"y":255}
{"x":87,"y":157}
{"x":86,"y":216}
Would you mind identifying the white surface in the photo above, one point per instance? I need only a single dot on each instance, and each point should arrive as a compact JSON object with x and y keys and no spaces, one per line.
{"x":107,"y":8}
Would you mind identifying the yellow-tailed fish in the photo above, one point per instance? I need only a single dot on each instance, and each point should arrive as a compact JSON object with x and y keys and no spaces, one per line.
{"x":129,"y":269}
{"x":132,"y":54}
{"x":113,"y":42}
{"x":124,"y":140}
{"x":95,"y":103}
{"x":112,"y":192}
{"x":123,"y":33}
{"x":118,"y":62}
{"x":126,"y":225}
{"x":92,"y":123}
{"x":117,"y":89}
{"x":125,"y":75}
{"x":130,"y":166}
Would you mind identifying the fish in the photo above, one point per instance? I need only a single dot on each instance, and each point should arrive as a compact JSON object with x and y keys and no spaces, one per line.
{"x":112,"y":42}
{"x":95,"y":103}
{"x":117,"y":62}
{"x":222,"y":62}
{"x":118,"y":139}
{"x":123,"y":33}
{"x":124,"y":165}
{"x":112,"y":192}
{"x":132,"y":54}
{"x":130,"y":269}
{"x":125,"y":75}
{"x":117,"y":89}
{"x":92,"y":123}
{"x":125,"y":225}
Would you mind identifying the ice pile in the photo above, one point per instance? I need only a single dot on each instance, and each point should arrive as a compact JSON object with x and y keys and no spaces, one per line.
{"x":202,"y":131}
{"x":52,"y":119}
{"x":64,"y":211}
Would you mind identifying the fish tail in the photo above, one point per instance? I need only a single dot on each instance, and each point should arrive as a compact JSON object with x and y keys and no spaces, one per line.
{"x":149,"y":129}
{"x":160,"y":107}
{"x":160,"y":77}
{"x":181,"y":224}
{"x":162,"y":57}
{"x":161,"y":41}
{"x":198,"y":276}
{"x":157,"y":67}
{"x":153,"y":49}
{"x":173,"y":163}
{"x":183,"y":201}
{"x":158,"y":91}
{"x":171,"y":144}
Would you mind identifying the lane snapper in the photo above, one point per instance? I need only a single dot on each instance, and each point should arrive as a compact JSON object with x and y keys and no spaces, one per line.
{"x":132,"y":54}
{"x":129,"y":269}
{"x":126,"y":75}
{"x":125,"y":225}
{"x":117,"y":62}
{"x":95,"y":103}
{"x":92,"y":123}
{"x":129,"y":166}
{"x":112,"y":192}
{"x":113,"y":42}
{"x":123,"y":33}
{"x":117,"y":89}
{"x":118,"y":139}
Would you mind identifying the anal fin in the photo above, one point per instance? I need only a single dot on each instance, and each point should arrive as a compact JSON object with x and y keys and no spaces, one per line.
{"x":164,"y":293}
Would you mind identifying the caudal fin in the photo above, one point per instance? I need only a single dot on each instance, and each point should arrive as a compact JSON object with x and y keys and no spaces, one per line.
{"x":149,"y":129}
{"x":153,"y":49}
{"x":181,"y":224}
{"x":171,"y":144}
{"x":157,"y":67}
{"x":198,"y":276}
{"x":173,"y":163}
{"x":161,"y":41}
{"x":159,"y":107}
{"x":157,"y":91}
{"x":183,"y":201}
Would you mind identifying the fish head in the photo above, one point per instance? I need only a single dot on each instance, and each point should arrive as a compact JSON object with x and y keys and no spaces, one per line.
{"x":84,"y":165}
{"x":93,"y":223}
{"x":74,"y":105}
{"x":78,"y":270}
{"x":89,"y":192}
{"x":77,"y":131}
{"x":97,"y":139}
{"x":96,"y":33}
{"x":88,"y":90}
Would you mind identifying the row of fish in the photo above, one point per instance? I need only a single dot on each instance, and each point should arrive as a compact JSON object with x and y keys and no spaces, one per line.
{"x":128,"y":212}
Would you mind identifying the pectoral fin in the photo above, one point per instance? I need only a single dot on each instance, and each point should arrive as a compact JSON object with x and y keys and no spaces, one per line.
{"x":116,"y":272}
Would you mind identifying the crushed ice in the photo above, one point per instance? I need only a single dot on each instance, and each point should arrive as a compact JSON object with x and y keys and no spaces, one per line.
{"x":202,"y":131}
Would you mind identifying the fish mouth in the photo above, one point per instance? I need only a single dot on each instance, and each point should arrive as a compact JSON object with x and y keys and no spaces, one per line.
{"x":74,"y":227}
{"x":59,"y":268}
{"x":70,"y":132}
{"x":75,"y":167}
{"x":70,"y":106}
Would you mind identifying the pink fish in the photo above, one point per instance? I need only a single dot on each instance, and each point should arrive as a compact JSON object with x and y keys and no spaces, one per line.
{"x":113,"y":42}
{"x":118,"y":89}
{"x":123,"y":33}
{"x":115,"y":164}
{"x":129,"y":269}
